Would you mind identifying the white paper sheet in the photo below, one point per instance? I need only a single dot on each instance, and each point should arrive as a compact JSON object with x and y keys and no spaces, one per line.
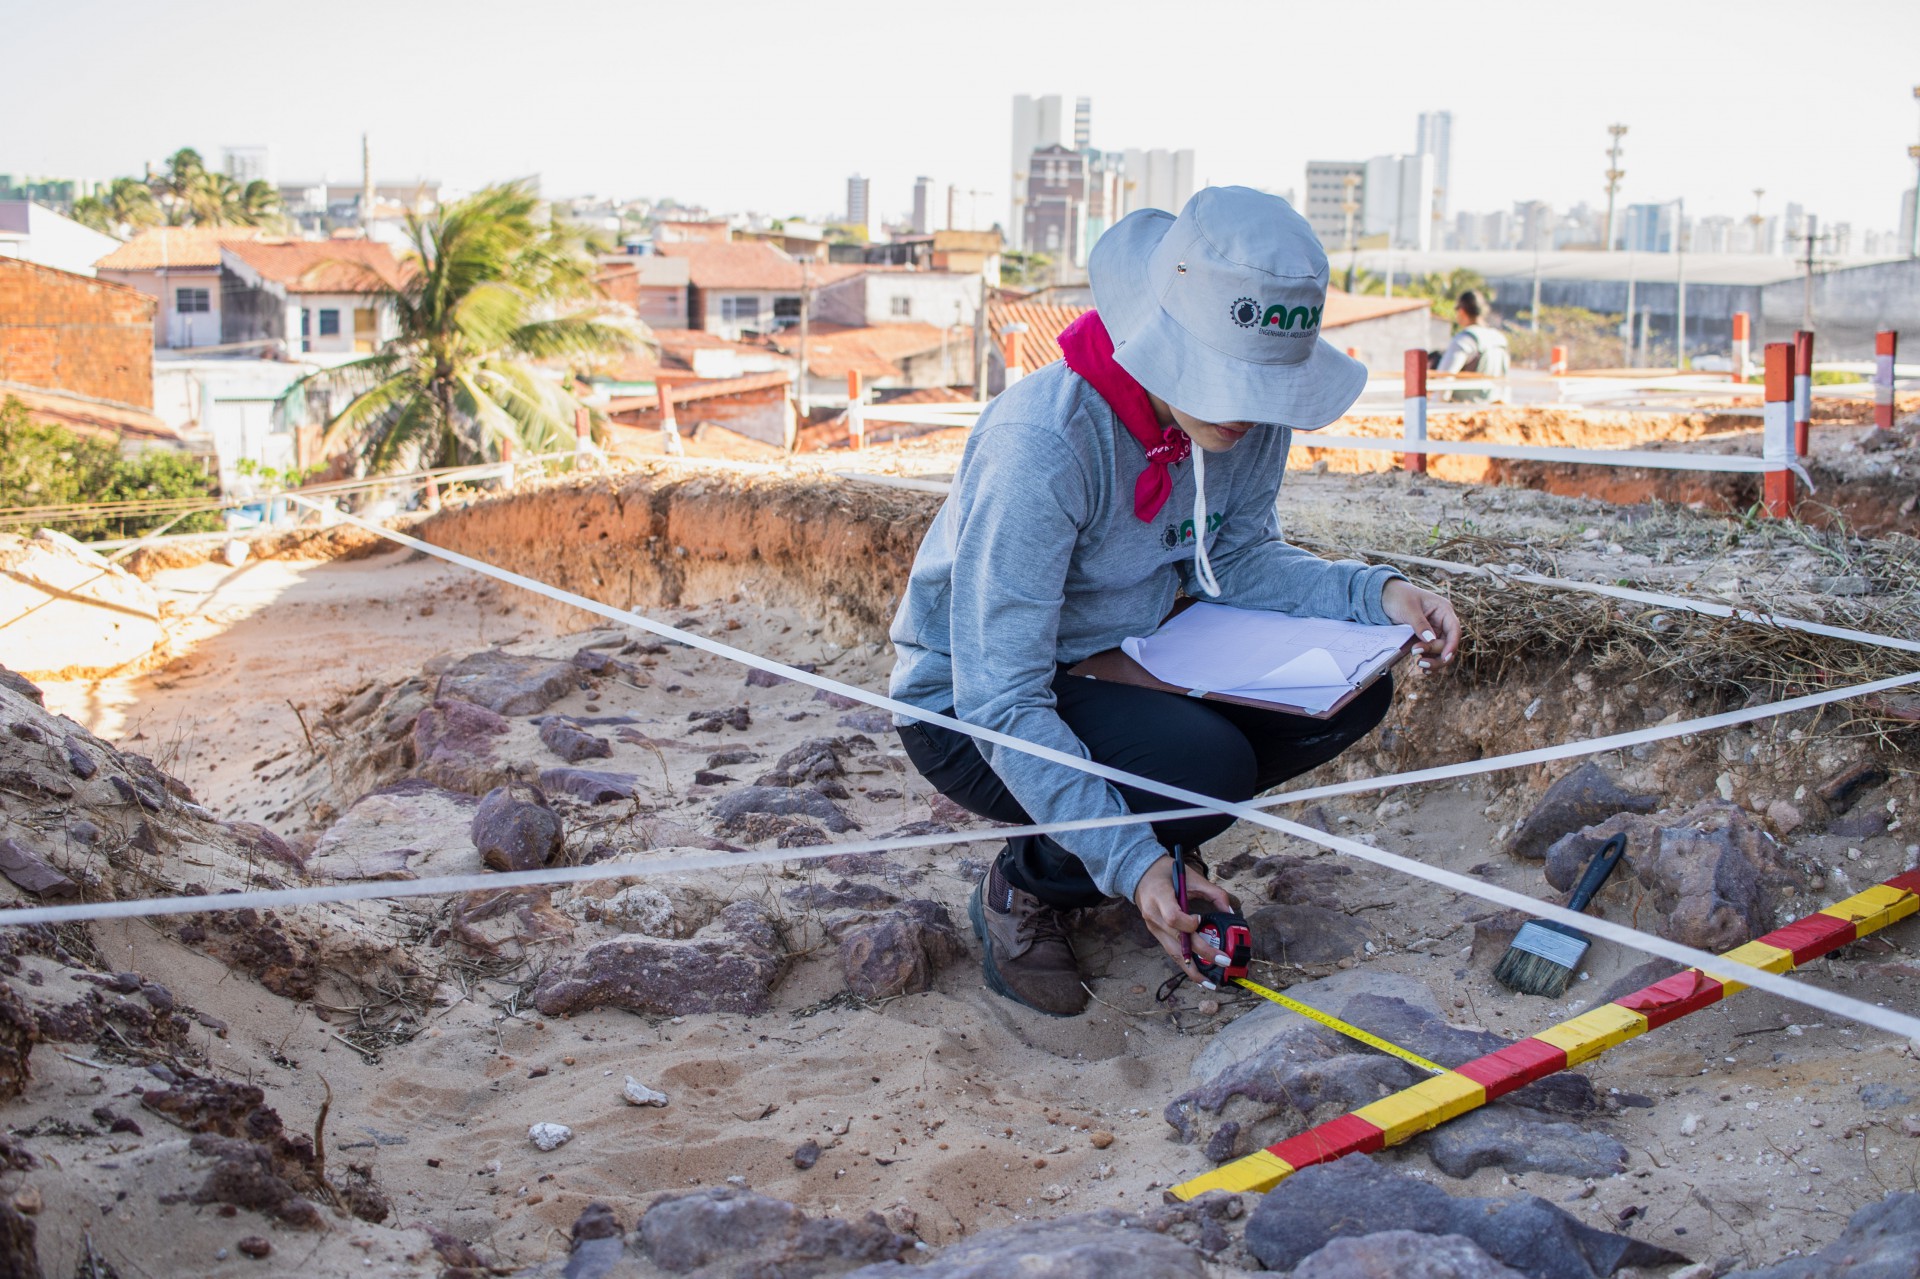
{"x":1310,"y":662}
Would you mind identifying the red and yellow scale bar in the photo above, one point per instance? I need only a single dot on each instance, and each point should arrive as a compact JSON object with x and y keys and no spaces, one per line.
{"x":1432,"y":1102}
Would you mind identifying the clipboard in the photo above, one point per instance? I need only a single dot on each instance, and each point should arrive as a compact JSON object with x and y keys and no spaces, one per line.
{"x":1114,"y":666}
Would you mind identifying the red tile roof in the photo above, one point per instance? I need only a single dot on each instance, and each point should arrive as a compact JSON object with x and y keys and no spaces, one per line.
{"x":179,"y":247}
{"x":834,"y":351}
{"x":83,"y":416}
{"x":1352,"y":308}
{"x":1040,"y":344}
{"x":709,"y":389}
{"x":751,"y":265}
{"x":323,"y":266}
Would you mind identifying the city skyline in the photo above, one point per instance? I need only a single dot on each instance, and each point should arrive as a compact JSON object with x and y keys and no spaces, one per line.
{"x":1700,"y":126}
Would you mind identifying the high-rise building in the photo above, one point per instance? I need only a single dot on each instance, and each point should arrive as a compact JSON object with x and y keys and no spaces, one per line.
{"x":1397,"y":200}
{"x":1055,"y":206}
{"x":922,"y":205}
{"x":860,"y":203}
{"x":248,"y":164}
{"x":1159,"y":179}
{"x":1649,"y":228}
{"x":1434,"y":136}
{"x":1082,"y":123}
{"x":1037,"y":125}
{"x":1328,"y":193}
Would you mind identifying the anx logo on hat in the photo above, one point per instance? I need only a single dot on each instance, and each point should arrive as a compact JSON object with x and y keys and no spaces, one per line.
{"x":1276,"y":319}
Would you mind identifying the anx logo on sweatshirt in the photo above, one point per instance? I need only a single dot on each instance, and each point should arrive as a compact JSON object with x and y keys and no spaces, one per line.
{"x":1181,"y":534}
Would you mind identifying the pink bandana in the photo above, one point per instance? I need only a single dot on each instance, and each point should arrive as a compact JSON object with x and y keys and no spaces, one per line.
{"x":1089,"y":353}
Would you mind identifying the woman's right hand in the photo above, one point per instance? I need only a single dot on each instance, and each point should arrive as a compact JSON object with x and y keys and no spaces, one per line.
{"x":1160,"y":910}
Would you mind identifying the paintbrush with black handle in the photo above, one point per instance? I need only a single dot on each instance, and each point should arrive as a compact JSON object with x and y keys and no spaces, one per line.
{"x":1544,"y":955}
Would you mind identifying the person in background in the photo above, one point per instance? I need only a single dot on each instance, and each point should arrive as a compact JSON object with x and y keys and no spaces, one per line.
{"x":1093,"y":492}
{"x":1477,"y":347}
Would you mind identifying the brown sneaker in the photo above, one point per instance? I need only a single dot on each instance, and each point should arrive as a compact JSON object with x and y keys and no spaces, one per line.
{"x":1027,"y":955}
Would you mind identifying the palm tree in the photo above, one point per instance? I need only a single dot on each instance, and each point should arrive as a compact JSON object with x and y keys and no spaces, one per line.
{"x":490,"y":288}
{"x":127,"y":204}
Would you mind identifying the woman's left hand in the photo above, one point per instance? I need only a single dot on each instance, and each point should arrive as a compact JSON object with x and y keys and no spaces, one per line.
{"x":1436,"y":627}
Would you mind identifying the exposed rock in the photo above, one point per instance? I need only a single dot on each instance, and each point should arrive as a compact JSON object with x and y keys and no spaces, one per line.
{"x":1881,"y":1241}
{"x":507,"y":683}
{"x":598,"y":1242}
{"x":19,"y":1030}
{"x":1581,"y":798}
{"x":731,"y":965}
{"x":757,"y":678}
{"x":1840,"y":791}
{"x":728,"y":1232}
{"x":636,"y":908}
{"x":571,"y":742}
{"x":1403,"y":1254}
{"x":1305,"y":934}
{"x":806,"y":1154}
{"x":895,"y":951}
{"x":782,"y":801}
{"x":19,"y":1255}
{"x":589,"y":785}
{"x":839,"y":701}
{"x":1884,"y":1096}
{"x":1097,"y":1245}
{"x":1493,"y":933}
{"x":713,"y":720}
{"x":86,"y":614}
{"x":1521,"y":1140}
{"x":246,"y":1175}
{"x":1356,"y":1196}
{"x":867,"y":721}
{"x":453,"y":745}
{"x":31,"y":873}
{"x":267,"y":844}
{"x":846,"y":894}
{"x":1301,"y":881}
{"x":515,"y":830}
{"x":1275,"y":1073}
{"x":732,"y":755}
{"x":547,"y":1136}
{"x":255,"y":1246}
{"x":23,"y":686}
{"x":376,"y":837}
{"x":1224,"y":1144}
{"x":635,"y":1093}
{"x":1712,"y":876}
{"x":814,"y":760}
{"x":79,"y":761}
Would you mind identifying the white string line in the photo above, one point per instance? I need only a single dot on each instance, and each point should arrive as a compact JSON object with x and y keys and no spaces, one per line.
{"x":1661,"y":600}
{"x":1827,"y":1001}
{"x":1729,"y":463}
{"x":264,"y":899}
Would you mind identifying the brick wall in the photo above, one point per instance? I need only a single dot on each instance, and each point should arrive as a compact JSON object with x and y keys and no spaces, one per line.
{"x":71,"y":333}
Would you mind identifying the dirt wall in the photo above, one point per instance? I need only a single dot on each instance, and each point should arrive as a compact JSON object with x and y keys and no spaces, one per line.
{"x":661,"y":537}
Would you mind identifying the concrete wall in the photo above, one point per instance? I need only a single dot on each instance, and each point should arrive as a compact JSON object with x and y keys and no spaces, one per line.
{"x":172,"y":330}
{"x":65,"y":332}
{"x":1381,"y":344}
{"x":1849,"y":305}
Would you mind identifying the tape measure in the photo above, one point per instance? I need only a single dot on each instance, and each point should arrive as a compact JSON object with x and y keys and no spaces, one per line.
{"x":1334,"y":1023}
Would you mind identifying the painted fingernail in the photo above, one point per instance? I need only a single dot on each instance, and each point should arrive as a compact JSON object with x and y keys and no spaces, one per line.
{"x":1427,"y":636}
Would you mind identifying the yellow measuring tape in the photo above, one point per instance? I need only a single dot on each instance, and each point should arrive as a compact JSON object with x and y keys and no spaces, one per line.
{"x":1334,"y":1023}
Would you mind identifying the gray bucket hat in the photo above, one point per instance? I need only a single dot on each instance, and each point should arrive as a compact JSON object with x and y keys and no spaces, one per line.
{"x":1218,"y":311}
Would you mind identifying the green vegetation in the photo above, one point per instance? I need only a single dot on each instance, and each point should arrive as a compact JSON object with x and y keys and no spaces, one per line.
{"x":45,"y":465}
{"x":1441,"y":289}
{"x":1592,"y":339}
{"x":492,"y":289}
{"x":185,"y":193}
{"x":1025,"y":270}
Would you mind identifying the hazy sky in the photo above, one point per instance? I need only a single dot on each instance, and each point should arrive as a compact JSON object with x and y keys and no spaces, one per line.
{"x":741,"y":104}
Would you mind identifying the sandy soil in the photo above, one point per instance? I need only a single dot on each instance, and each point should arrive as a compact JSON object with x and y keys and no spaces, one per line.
{"x":950,"y":1110}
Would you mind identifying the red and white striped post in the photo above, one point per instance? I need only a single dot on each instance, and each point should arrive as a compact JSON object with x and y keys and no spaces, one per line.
{"x":669,"y":425}
{"x":1742,"y":355}
{"x":1777,"y":431}
{"x":508,"y":473}
{"x":1802,"y":390}
{"x":1885,"y":344}
{"x":1415,"y":417}
{"x":582,"y":430}
{"x":1557,"y":365}
{"x":856,"y":410}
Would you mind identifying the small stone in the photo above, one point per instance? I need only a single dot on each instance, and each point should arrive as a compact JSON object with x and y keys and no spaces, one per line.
{"x":513,"y":829}
{"x":28,"y":1200}
{"x":549,"y":1136}
{"x":1690,"y":1125}
{"x":1101,"y":1139}
{"x":638,"y":1094}
{"x":806,"y":1155}
{"x":1208,"y":1007}
{"x":256,"y":1247}
{"x":1909,"y":1126}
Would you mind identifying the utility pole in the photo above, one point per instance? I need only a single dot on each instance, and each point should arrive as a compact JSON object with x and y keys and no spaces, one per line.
{"x":1913,"y":153}
{"x":1614,"y":174}
{"x":1812,"y":239}
{"x":1680,"y":283}
{"x":1757,"y":220}
{"x":366,"y":187}
{"x":980,"y":344}
{"x":1627,"y":333}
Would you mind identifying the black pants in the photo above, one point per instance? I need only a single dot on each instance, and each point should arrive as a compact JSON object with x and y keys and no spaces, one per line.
{"x":1216,"y":748}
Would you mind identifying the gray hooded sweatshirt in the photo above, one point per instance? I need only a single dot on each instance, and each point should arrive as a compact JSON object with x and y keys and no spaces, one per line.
{"x":1037,"y":559}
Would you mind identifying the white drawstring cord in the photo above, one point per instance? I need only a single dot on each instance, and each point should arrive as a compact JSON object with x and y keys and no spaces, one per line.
{"x":1202,"y":569}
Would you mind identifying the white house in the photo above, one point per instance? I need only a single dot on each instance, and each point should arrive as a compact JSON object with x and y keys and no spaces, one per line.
{"x":180,"y":266}
{"x":319,"y":297}
{"x":35,"y":234}
{"x":879,"y":295}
